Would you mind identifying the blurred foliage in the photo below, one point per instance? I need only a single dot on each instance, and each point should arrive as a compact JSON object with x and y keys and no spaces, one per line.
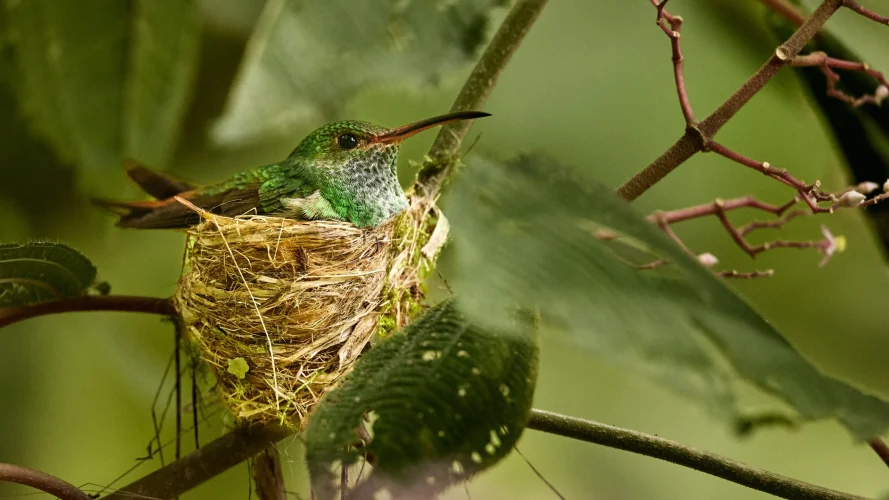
{"x":427,"y":408}
{"x":112,"y":84}
{"x":525,"y":232}
{"x":42,"y":271}
{"x":591,"y":86}
{"x":315,"y":55}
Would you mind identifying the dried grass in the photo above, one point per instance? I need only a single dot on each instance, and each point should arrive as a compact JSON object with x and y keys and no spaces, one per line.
{"x":313,"y":293}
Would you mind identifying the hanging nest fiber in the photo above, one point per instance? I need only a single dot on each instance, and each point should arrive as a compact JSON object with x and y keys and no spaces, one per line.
{"x":280,"y":309}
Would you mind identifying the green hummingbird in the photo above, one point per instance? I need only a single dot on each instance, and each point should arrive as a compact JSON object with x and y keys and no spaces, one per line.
{"x":345,"y":170}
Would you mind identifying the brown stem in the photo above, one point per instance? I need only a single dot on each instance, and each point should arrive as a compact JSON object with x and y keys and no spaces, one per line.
{"x":41,"y":481}
{"x":268,"y":475}
{"x":857,"y":7}
{"x":827,"y":65}
{"x":203,"y":464}
{"x":696,"y":138}
{"x":476,"y":90}
{"x":880,"y":448}
{"x":673,"y":33}
{"x":121,"y":303}
{"x":677,"y":453}
{"x":787,"y":10}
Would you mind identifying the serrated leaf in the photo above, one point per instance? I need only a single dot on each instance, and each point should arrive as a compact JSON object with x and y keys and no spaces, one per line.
{"x":524,"y":235}
{"x":113,"y":84}
{"x":42,"y":271}
{"x":306,"y":58}
{"x":428,"y":407}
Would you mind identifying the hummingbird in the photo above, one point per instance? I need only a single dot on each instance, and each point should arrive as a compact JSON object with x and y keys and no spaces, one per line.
{"x":345,"y":170}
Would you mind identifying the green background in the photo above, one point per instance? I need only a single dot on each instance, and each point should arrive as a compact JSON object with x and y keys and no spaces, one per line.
{"x":591,"y":86}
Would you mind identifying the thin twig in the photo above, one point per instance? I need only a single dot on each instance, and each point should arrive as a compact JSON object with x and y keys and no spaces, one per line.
{"x":41,"y":481}
{"x":696,"y":138}
{"x":177,"y":355}
{"x":121,"y":303}
{"x":768,"y":273}
{"x":476,"y":90}
{"x":673,"y":33}
{"x":857,"y":7}
{"x":786,"y":9}
{"x":827,"y":65}
{"x":880,"y":448}
{"x":677,"y":453}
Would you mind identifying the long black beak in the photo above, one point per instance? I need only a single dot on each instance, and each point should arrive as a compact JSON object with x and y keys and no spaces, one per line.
{"x":401,"y":133}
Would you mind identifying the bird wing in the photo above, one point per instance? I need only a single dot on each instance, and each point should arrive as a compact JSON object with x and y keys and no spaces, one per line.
{"x":251,"y":193}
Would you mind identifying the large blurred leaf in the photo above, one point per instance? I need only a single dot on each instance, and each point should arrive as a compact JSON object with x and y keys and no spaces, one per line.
{"x":427,"y":407}
{"x":306,"y":58}
{"x":524,"y":235}
{"x":861,"y":133}
{"x":42,"y":271}
{"x":104,"y":79}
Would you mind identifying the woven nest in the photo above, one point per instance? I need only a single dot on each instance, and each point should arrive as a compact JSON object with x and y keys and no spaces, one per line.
{"x":280,"y":309}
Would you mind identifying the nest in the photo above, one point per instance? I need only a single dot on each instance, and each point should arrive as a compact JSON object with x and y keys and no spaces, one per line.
{"x":280,"y":309}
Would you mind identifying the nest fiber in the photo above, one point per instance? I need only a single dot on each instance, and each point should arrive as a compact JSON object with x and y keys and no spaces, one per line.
{"x":280,"y":309}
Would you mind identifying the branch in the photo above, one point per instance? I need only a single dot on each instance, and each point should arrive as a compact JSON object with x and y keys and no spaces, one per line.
{"x":671,"y":451}
{"x":268,"y":475}
{"x":203,"y":464}
{"x":41,"y":481}
{"x":855,"y":6}
{"x":696,"y":137}
{"x":787,"y":10}
{"x":122,"y":303}
{"x":678,"y":67}
{"x":827,"y":65}
{"x":880,"y":448}
{"x":476,"y":90}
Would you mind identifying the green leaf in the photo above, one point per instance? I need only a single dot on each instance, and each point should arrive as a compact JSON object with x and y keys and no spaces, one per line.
{"x":524,"y":235}
{"x":238,"y":367}
{"x":306,"y":58}
{"x":427,"y":407}
{"x":113,"y":84}
{"x":42,"y":271}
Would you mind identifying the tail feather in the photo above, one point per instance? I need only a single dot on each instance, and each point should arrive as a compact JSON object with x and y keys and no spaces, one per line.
{"x":158,"y":185}
{"x":166,"y":212}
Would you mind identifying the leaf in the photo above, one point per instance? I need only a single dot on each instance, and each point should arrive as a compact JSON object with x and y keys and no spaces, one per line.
{"x":238,"y":367}
{"x":524,"y":235}
{"x":306,"y":58}
{"x":113,"y":84}
{"x":42,"y":271}
{"x":862,"y":133}
{"x":428,"y":407}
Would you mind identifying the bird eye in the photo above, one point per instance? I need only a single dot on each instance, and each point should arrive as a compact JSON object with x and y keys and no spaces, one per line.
{"x":347,"y":141}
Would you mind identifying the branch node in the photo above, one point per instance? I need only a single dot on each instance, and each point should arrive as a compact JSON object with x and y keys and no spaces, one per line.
{"x":782,"y":54}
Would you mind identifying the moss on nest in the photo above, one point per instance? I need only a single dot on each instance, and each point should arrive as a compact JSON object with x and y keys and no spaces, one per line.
{"x":315,"y":291}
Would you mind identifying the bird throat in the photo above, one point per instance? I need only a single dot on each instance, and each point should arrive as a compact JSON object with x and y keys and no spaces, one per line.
{"x":365,"y":190}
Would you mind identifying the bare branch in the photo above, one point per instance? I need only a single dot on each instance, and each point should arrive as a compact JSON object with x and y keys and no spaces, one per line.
{"x":857,"y":7}
{"x":203,"y":464}
{"x":476,"y":90}
{"x":677,"y":453}
{"x":268,"y":475}
{"x":696,"y":138}
{"x":673,"y":33}
{"x":880,"y":448}
{"x":41,"y":481}
{"x":121,"y":303}
{"x":786,"y":9}
{"x":827,"y":65}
